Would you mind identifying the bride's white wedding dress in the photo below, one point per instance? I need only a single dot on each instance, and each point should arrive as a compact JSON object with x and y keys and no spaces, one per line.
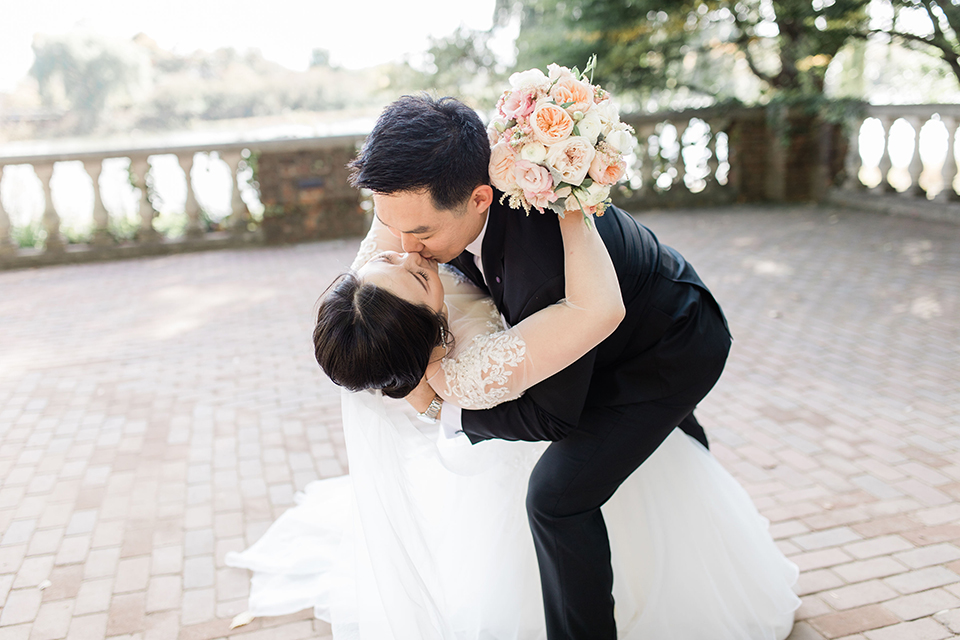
{"x":427,"y":538}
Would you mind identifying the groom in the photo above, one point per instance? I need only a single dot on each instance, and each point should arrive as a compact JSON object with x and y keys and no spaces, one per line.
{"x":426,"y":162}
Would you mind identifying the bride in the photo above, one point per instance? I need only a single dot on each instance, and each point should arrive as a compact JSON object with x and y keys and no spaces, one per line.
{"x":428,"y":537}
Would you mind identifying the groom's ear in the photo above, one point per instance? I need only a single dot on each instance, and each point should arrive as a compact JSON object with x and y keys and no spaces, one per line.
{"x":481,"y":198}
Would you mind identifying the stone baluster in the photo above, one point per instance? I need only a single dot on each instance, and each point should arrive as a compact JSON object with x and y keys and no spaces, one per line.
{"x":7,"y":248}
{"x":192,"y":207}
{"x":239,"y":215}
{"x":147,"y":234}
{"x":886,"y":163}
{"x":681,"y":165}
{"x":916,"y":162}
{"x":101,"y":219}
{"x":949,"y":171}
{"x":51,"y":220}
{"x":853,"y":161}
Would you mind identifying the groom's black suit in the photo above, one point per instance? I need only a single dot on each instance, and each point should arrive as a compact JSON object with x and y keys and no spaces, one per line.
{"x":607,"y":412}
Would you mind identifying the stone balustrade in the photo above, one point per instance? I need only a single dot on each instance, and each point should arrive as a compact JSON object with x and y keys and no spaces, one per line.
{"x":902,"y":159}
{"x":681,"y":158}
{"x":304,"y":177}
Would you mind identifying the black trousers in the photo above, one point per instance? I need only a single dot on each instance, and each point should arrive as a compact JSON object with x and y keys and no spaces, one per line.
{"x":573,"y":479}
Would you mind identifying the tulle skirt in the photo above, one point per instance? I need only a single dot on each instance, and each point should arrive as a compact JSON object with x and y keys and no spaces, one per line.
{"x":429,"y":539}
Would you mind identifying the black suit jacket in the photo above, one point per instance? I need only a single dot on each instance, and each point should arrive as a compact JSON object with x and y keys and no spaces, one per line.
{"x":673,"y":327}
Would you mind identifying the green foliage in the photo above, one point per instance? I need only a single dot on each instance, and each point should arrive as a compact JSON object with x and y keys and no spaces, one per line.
{"x":647,"y":46}
{"x":30,"y":236}
{"x":463,"y":65}
{"x":941,"y":38}
{"x":85,"y":73}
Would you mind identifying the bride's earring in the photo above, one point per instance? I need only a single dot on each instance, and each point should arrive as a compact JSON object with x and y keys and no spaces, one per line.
{"x":443,"y":340}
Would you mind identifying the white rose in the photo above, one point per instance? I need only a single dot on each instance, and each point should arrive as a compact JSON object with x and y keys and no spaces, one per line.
{"x":571,"y":159}
{"x":557,"y":72}
{"x":531,"y":79}
{"x":608,"y":112}
{"x":534,"y":152}
{"x":589,"y":197}
{"x":590,"y":126}
{"x":620,"y":139}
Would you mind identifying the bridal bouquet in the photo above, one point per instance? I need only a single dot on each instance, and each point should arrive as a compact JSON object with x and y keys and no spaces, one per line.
{"x":557,"y":142}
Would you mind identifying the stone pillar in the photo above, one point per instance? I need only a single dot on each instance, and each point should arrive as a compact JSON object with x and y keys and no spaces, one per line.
{"x":239,"y":214}
{"x":192,"y":207}
{"x":7,"y":248}
{"x":852,"y":163}
{"x":949,"y":171}
{"x":147,"y":234}
{"x":101,"y":219}
{"x":916,"y":162}
{"x":51,"y":221}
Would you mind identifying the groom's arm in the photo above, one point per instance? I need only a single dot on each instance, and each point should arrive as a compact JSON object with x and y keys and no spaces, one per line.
{"x":547,"y":411}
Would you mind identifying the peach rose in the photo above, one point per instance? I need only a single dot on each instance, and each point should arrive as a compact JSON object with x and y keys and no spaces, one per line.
{"x":550,"y":124}
{"x":502,"y":160}
{"x":536,"y":182}
{"x":607,"y":166}
{"x":571,"y":159}
{"x":568,"y":90}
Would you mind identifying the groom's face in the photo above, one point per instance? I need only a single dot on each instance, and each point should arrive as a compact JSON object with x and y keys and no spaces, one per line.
{"x":438,"y":234}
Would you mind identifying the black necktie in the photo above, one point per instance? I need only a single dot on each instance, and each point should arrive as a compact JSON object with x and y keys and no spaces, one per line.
{"x":467,"y":263}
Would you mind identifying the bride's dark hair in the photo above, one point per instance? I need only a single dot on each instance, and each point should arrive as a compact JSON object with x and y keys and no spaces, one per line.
{"x":369,"y":338}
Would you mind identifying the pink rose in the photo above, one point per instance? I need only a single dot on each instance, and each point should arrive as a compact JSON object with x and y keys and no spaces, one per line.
{"x":518,"y":104}
{"x":502,"y":160}
{"x":607,"y":166}
{"x":536,"y":182}
{"x":571,"y":159}
{"x":550,"y":124}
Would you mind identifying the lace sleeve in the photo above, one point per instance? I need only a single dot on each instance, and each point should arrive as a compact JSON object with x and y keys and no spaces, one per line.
{"x":377,"y":240}
{"x":368,"y":249}
{"x":481,"y":375}
{"x":487,"y":366}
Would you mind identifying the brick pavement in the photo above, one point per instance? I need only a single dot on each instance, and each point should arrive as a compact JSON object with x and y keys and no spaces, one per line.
{"x":158,"y":413}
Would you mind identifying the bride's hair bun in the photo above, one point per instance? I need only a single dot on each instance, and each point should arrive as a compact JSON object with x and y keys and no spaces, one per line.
{"x":369,"y":338}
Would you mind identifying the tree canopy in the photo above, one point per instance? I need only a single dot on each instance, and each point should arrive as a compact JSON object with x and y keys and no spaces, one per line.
{"x":709,"y":47}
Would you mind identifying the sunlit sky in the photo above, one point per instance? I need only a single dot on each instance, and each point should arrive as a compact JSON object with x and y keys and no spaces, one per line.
{"x":358,"y":33}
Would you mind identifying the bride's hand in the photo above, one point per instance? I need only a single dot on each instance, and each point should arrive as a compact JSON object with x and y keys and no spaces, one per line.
{"x":421,"y":397}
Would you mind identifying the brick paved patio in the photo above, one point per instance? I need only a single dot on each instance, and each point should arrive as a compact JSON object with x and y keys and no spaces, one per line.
{"x":156,"y":414}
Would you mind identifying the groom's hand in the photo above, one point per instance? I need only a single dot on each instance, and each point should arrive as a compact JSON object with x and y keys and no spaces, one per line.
{"x":421,"y":397}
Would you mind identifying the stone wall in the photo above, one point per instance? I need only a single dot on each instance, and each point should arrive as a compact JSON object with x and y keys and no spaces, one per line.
{"x":307,"y":197}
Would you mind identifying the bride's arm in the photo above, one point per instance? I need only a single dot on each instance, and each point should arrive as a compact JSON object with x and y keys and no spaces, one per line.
{"x":498,"y":367}
{"x":377,"y":240}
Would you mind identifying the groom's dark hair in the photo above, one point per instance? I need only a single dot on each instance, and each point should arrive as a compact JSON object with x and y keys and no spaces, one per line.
{"x":369,"y":338}
{"x":421,"y":143}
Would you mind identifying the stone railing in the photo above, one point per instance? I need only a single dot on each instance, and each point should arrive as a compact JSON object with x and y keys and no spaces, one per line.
{"x":304,"y":178}
{"x":682,"y":158}
{"x":903,"y":159}
{"x":720,"y":155}
{"x":295,"y":189}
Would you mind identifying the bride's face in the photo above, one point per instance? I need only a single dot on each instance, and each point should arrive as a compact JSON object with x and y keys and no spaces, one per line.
{"x":407,"y":275}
